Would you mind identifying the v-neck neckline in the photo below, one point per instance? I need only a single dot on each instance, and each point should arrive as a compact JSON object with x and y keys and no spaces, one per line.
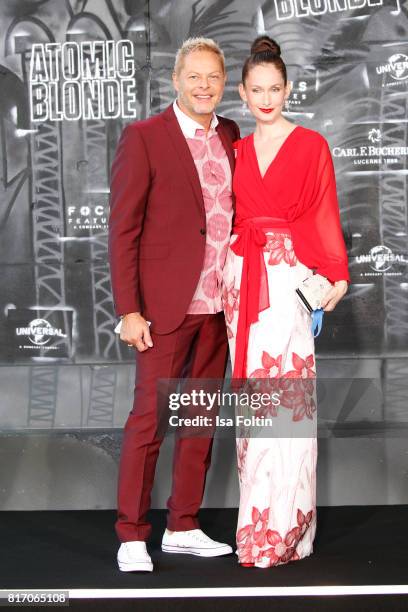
{"x":262,"y":177}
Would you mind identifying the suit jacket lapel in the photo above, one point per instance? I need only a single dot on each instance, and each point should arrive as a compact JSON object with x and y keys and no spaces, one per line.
{"x":183,"y":152}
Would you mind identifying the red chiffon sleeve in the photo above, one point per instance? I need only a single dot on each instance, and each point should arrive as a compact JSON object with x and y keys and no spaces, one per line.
{"x":317,"y":233}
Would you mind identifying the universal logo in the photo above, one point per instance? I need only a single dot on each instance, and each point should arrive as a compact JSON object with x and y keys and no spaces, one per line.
{"x":396,"y":68}
{"x":381,"y":259}
{"x":372,"y":154}
{"x":40,"y":332}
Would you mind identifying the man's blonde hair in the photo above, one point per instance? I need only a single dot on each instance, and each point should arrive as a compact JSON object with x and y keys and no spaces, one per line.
{"x":198,"y":44}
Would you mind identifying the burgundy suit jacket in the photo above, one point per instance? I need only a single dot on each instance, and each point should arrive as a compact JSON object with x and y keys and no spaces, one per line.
{"x":157,"y":221}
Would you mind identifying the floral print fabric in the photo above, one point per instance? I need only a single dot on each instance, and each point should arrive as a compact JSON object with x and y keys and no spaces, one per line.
{"x":277,"y":476}
{"x":214,"y":173}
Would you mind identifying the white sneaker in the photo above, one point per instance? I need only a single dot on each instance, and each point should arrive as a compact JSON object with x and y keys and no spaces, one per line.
{"x":133,"y":557}
{"x":193,"y":542}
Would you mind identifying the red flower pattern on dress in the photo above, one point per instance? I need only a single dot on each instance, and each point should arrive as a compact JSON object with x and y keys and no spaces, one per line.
{"x":297,"y":395}
{"x":230,"y":301}
{"x":271,"y":367}
{"x":242,"y":447}
{"x":305,"y":406}
{"x":269,"y":544}
{"x":280,"y":248}
{"x":252,"y":537}
{"x":304,"y":521}
{"x":297,"y":388}
{"x":303,"y":367}
{"x":282,"y":550}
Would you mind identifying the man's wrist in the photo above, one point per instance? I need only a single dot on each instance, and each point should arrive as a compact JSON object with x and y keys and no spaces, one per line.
{"x":128,"y":313}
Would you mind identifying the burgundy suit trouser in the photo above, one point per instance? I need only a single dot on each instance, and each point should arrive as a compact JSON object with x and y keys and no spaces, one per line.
{"x":196,"y":349}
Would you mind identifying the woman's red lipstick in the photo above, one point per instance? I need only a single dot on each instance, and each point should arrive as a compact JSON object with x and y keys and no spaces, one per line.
{"x":266,"y":110}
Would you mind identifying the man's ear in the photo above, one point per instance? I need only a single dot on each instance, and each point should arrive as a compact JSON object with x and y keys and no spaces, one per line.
{"x":175,"y":80}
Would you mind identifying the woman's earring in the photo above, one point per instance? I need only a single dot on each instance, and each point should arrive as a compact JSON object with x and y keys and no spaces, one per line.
{"x":287,"y":108}
{"x":244,"y":109}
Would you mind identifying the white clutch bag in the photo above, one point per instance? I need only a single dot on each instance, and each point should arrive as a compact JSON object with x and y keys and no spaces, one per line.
{"x":312,"y":290}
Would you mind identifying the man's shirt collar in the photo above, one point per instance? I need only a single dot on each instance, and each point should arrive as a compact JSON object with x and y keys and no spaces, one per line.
{"x":188,"y":125}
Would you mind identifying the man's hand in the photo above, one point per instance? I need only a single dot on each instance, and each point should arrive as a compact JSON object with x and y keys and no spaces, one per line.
{"x":335,"y":294}
{"x":135,"y":331}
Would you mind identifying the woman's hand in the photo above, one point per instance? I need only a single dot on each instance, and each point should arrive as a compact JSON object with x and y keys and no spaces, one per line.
{"x":335,"y":294}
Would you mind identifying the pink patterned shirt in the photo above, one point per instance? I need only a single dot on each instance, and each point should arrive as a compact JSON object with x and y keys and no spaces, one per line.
{"x":215,"y":177}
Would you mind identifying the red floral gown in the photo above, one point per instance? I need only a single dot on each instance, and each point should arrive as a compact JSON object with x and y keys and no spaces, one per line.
{"x":287,"y":225}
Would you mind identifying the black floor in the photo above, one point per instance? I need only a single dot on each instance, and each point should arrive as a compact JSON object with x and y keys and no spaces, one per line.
{"x":77,"y":549}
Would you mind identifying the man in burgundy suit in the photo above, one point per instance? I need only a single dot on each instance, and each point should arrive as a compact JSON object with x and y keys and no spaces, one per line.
{"x":170,"y":221}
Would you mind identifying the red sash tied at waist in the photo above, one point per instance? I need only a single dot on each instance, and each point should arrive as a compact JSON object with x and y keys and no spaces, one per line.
{"x":254,"y":293}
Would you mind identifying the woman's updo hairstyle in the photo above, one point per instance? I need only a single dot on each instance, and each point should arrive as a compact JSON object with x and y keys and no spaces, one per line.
{"x":264,"y":50}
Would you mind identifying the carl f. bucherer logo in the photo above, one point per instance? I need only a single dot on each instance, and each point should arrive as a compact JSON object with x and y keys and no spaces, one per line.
{"x":373,"y":151}
{"x":374,"y":135}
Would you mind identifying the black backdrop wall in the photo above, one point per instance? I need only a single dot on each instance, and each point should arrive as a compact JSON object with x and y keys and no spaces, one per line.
{"x":72,"y":74}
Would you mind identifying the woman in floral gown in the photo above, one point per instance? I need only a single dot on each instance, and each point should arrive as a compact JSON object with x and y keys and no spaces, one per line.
{"x":287,"y":225}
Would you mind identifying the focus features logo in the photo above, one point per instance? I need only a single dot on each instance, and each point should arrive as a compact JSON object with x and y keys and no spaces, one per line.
{"x":381,"y":259}
{"x":396,"y":67}
{"x":40,"y":332}
{"x":87,"y":217}
{"x":298,"y":93}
